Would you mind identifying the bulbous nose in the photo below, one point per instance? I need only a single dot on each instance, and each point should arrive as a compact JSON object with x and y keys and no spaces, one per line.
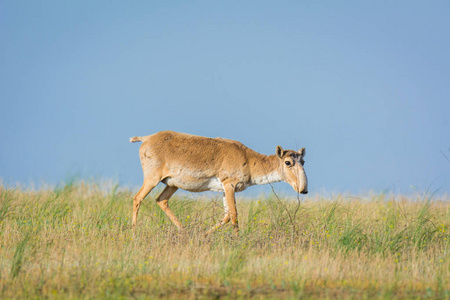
{"x":305,"y":191}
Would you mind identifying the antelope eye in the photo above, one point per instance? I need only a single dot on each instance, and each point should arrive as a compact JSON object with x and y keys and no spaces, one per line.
{"x":288,"y":163}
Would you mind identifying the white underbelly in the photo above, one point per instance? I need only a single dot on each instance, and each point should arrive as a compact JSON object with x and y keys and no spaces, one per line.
{"x":196,"y":185}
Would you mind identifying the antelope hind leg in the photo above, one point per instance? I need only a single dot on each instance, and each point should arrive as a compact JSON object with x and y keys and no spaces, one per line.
{"x":163,"y":202}
{"x":146,"y":188}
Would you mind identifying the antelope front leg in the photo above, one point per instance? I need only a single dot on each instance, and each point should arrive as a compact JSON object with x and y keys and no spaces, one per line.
{"x":225,"y":220}
{"x":231,"y":202}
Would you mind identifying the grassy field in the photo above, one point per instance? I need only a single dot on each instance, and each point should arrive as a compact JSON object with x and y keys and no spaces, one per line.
{"x":76,"y":241}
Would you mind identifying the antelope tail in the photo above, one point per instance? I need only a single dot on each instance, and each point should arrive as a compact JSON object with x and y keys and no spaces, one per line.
{"x":136,"y":139}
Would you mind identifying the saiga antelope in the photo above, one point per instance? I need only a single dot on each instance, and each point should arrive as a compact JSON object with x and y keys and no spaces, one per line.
{"x":196,"y":164}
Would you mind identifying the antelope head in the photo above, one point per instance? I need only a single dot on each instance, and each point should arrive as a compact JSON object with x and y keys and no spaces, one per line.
{"x":291,"y":166}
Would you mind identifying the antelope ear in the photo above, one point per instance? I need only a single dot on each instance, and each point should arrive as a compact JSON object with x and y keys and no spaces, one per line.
{"x":302,"y":152}
{"x":280,"y":152}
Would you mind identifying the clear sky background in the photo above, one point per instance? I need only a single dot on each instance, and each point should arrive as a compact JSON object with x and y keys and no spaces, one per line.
{"x":363,"y":85}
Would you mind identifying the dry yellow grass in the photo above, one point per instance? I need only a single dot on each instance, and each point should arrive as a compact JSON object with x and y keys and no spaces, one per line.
{"x":76,"y":241}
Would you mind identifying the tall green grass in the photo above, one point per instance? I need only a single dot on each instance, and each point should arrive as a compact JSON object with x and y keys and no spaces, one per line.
{"x":75,"y":241}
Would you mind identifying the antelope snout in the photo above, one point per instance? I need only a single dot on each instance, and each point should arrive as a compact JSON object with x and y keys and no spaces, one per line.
{"x":301,"y":189}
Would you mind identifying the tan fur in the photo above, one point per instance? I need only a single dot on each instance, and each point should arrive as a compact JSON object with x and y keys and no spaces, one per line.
{"x":197,"y":164}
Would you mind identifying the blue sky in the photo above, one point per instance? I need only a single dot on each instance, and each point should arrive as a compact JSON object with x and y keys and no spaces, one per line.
{"x":363,"y":85}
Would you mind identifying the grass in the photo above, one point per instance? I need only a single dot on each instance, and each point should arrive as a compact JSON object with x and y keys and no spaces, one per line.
{"x":75,"y":241}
